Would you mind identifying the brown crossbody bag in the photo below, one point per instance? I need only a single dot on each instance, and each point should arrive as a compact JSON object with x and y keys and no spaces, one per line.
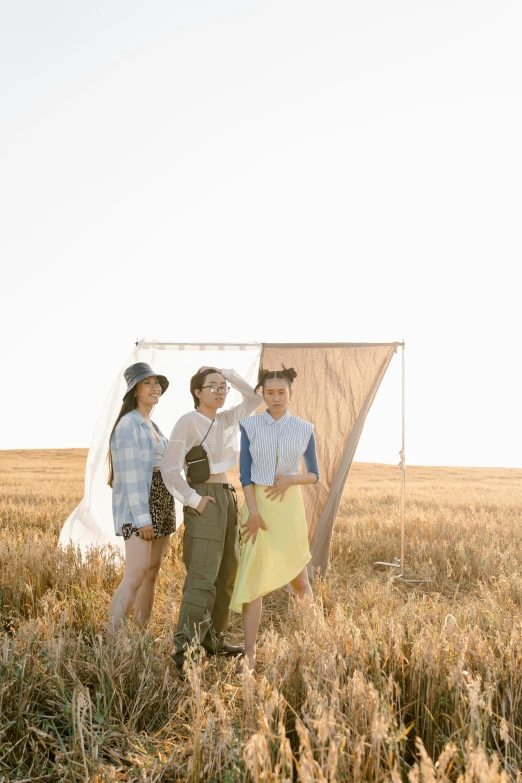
{"x":198,"y":466}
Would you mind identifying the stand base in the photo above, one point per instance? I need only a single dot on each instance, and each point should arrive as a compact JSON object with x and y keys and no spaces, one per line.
{"x":401,"y":577}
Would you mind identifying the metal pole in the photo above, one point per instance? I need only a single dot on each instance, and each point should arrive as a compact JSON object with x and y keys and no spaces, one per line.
{"x":399,"y":563}
{"x":403,"y":462}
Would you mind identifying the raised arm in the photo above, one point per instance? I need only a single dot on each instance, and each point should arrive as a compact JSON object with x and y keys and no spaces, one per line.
{"x":128,"y":461}
{"x":173,"y":463}
{"x":251,"y":399}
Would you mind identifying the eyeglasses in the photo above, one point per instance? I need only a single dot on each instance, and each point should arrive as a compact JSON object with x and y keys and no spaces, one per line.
{"x":213,"y":388}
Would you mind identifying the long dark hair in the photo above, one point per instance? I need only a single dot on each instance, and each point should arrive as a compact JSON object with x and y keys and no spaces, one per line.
{"x":129,"y":404}
{"x":287,"y":373}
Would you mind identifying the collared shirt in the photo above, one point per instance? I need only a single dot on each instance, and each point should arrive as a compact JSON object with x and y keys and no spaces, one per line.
{"x":220,"y":443}
{"x":276,"y":446}
{"x":132,"y":450}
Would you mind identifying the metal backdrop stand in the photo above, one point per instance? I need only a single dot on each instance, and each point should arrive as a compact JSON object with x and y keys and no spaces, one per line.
{"x":400,"y":563}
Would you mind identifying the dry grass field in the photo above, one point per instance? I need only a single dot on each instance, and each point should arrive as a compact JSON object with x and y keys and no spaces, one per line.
{"x":376,"y":682}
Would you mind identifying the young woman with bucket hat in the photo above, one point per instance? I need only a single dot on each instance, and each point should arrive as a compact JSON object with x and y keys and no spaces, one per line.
{"x":143,"y":508}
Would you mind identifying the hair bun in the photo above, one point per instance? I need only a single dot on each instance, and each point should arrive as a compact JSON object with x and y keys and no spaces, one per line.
{"x":261,"y":378}
{"x":290,"y":373}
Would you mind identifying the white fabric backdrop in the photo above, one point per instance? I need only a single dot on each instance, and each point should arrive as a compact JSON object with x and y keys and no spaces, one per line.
{"x":91,"y":522}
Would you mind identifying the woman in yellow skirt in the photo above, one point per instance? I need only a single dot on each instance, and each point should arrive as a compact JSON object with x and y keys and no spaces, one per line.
{"x":275,"y":548}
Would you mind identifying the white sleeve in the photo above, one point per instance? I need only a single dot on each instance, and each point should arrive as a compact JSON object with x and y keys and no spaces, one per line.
{"x":173,"y":463}
{"x":251,"y":399}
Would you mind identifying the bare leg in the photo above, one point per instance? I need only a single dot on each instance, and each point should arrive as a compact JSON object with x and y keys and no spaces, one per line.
{"x":144,"y":600}
{"x":251,"y":618}
{"x":301,"y":585}
{"x":137,"y":558}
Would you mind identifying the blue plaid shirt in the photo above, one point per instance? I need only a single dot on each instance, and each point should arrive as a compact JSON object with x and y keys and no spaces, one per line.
{"x":132,"y":449}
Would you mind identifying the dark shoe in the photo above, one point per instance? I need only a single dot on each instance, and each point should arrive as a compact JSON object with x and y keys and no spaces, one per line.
{"x":179,"y":662}
{"x":181,"y":673}
{"x":226,"y":649}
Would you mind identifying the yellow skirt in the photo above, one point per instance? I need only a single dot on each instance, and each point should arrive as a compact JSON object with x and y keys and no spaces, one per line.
{"x":279,"y":554}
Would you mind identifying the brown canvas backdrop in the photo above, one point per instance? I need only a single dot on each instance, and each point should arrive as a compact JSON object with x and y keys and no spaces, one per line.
{"x":334,"y":389}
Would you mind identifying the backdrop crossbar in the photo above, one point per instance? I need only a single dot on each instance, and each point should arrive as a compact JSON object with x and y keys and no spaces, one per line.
{"x":212,"y":346}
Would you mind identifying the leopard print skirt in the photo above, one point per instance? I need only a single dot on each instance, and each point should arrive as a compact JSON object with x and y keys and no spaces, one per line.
{"x":162,"y":511}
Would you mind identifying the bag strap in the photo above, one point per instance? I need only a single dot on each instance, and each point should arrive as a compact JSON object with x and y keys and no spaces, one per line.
{"x":204,"y":439}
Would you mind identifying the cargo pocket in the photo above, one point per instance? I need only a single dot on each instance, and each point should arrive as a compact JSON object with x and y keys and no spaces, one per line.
{"x":204,"y":562}
{"x":199,"y":554}
{"x":199,"y":529}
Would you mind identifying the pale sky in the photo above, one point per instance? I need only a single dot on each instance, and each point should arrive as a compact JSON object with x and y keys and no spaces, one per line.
{"x":270,"y":171}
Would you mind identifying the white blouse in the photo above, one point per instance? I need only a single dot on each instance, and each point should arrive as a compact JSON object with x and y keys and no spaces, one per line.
{"x":220,"y":443}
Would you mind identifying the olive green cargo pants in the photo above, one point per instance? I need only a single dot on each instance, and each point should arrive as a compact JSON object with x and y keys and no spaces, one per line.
{"x":211,"y":556}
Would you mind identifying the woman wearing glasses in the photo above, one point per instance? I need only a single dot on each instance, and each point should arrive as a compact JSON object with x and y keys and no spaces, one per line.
{"x":210,"y":537}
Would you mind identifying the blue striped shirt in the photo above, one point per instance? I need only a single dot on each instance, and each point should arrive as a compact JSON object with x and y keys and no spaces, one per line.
{"x":276,"y":447}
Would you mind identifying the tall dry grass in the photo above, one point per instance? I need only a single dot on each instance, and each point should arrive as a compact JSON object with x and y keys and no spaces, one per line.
{"x":376,"y":682}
